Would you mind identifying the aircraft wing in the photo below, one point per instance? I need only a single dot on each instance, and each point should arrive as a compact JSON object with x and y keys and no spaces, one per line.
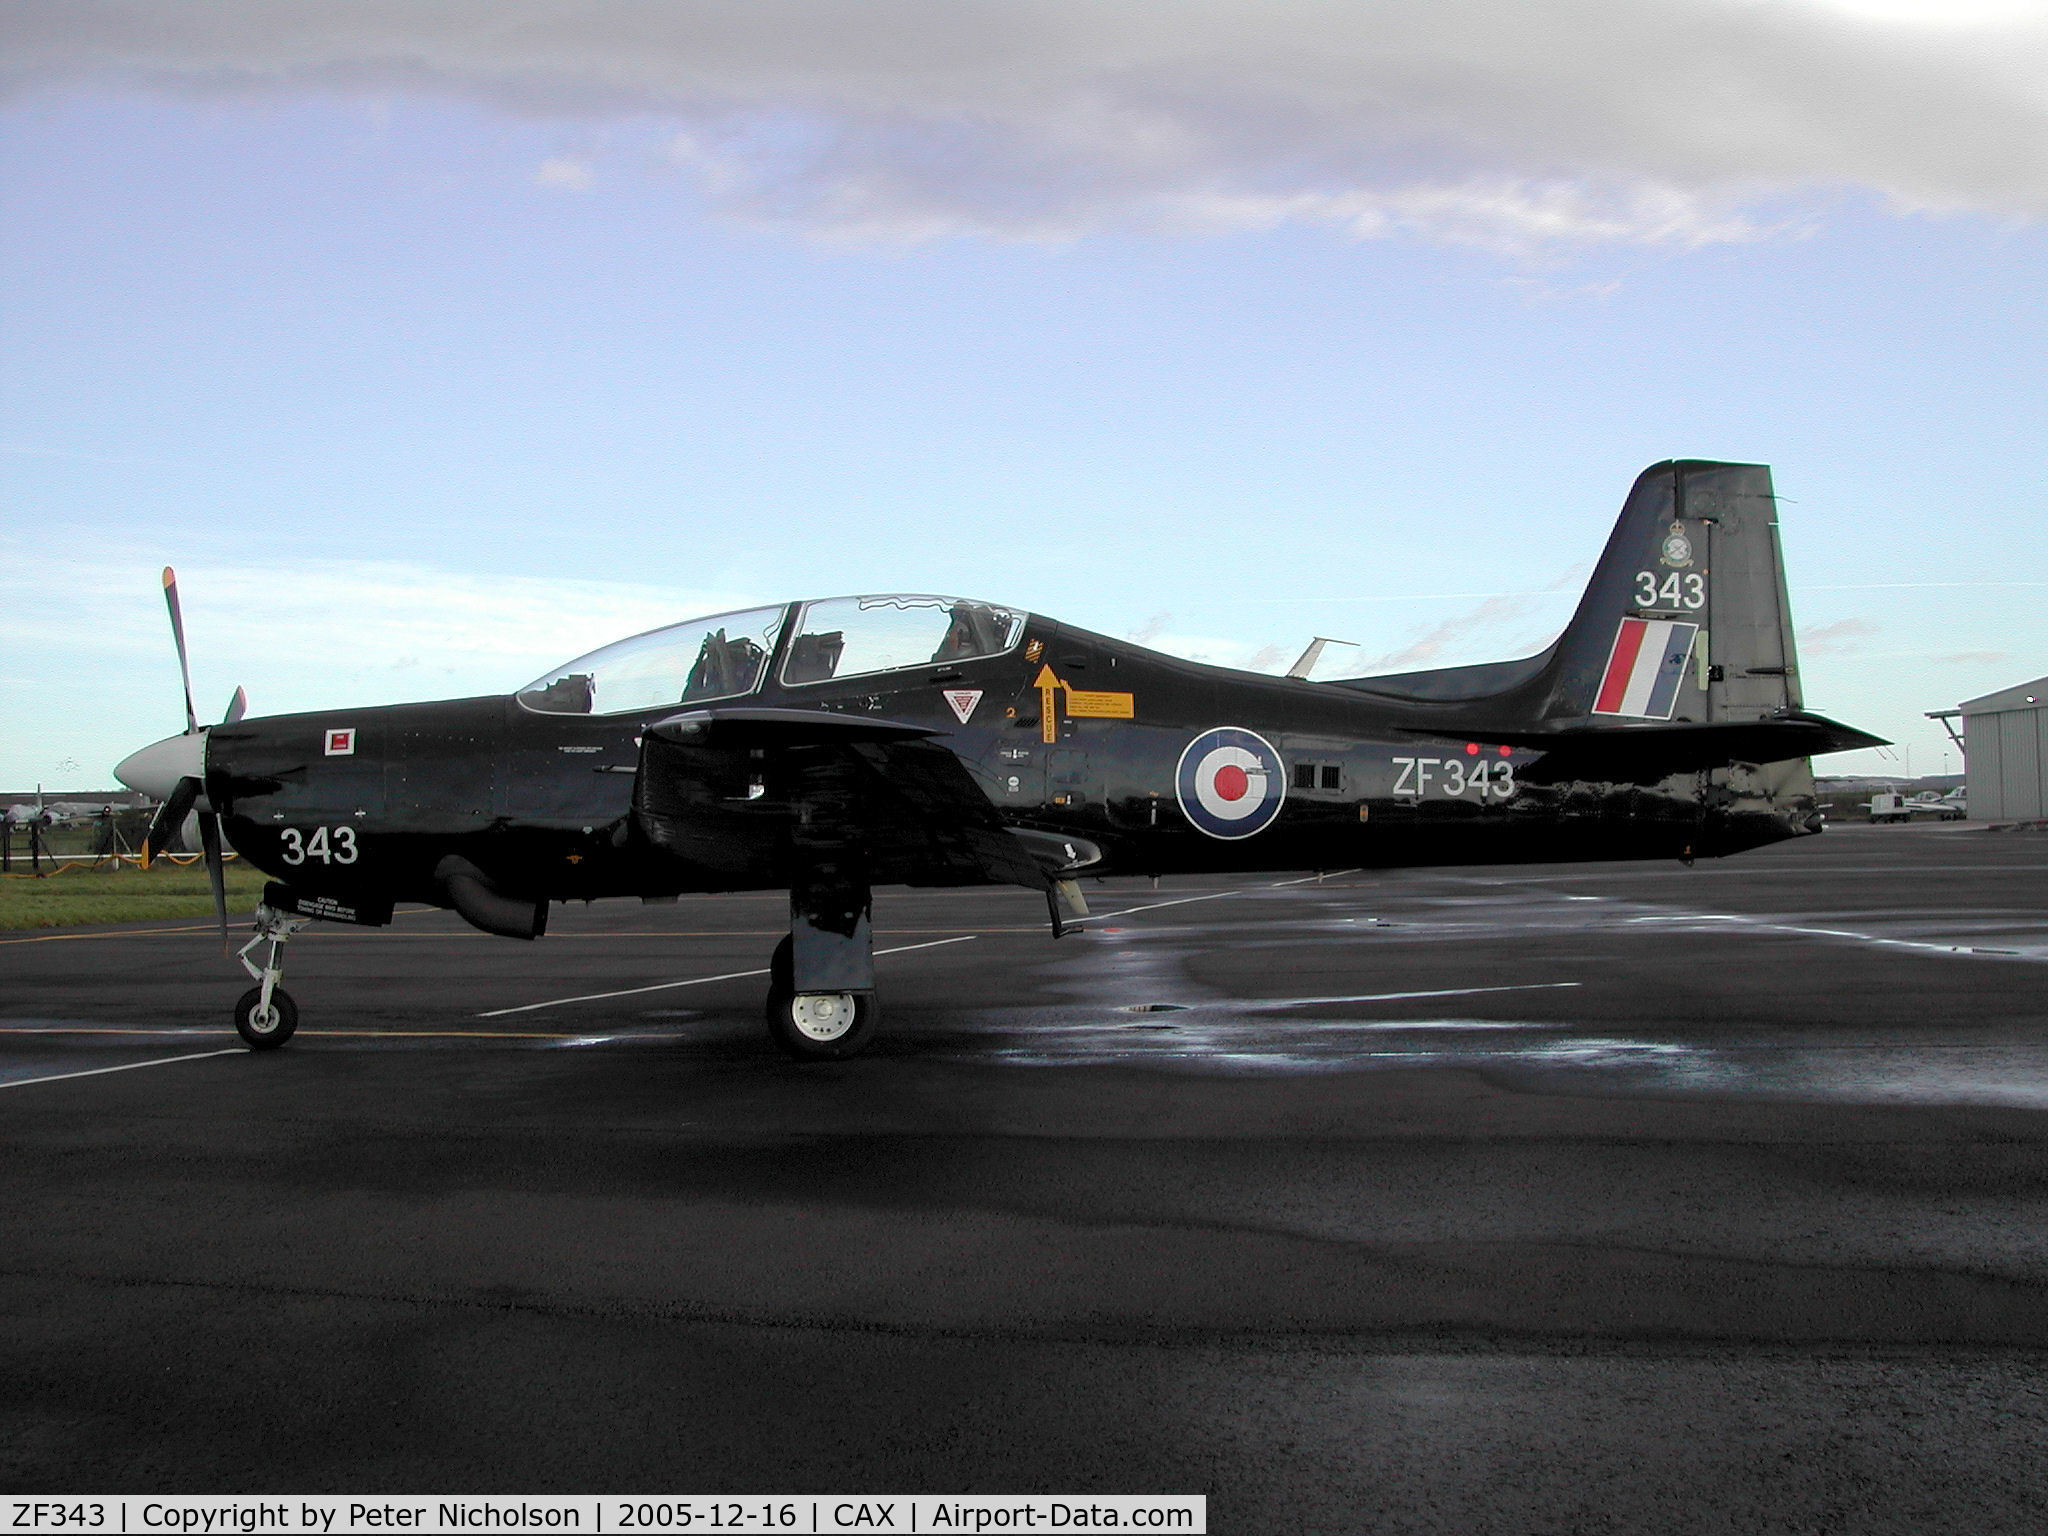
{"x":922,"y":797}
{"x":882,"y":784}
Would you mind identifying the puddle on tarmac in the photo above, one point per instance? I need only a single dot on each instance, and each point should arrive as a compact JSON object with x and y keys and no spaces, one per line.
{"x":1261,"y":1039}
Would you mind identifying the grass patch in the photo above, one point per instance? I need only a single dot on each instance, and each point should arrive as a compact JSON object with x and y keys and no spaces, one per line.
{"x":124,"y":895}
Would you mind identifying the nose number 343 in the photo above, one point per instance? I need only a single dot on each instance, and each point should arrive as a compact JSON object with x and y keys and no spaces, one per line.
{"x":329,"y":845}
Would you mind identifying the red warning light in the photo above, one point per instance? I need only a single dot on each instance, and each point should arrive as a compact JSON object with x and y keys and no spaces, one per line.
{"x":1471,"y":749}
{"x":1505,"y":751}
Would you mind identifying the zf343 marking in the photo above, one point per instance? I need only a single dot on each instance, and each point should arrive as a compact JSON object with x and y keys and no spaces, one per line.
{"x":1454,"y":776}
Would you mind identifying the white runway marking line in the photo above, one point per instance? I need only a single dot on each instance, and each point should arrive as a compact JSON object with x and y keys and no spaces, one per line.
{"x":1181,"y":901}
{"x":1759,"y":925}
{"x":1392,"y":997}
{"x":1328,"y":874}
{"x":694,"y":981}
{"x":161,"y":1061}
{"x":1154,"y":906}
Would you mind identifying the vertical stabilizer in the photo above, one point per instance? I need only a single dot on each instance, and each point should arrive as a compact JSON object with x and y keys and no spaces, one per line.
{"x":1685,"y":618}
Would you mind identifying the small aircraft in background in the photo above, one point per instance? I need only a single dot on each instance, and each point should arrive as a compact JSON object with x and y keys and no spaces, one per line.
{"x":829,"y":746}
{"x":55,"y":813}
{"x":1889,"y":805}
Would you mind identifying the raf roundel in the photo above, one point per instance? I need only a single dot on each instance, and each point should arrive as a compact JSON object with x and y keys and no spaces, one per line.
{"x":1230,"y":782}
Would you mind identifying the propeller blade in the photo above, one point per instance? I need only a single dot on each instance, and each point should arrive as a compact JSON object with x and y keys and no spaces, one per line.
{"x":178,"y":634}
{"x":169,"y":817}
{"x":238,"y":706}
{"x":216,"y":870}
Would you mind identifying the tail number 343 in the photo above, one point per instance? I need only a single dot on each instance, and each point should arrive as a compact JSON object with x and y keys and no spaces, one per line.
{"x":1674,"y":591}
{"x":335,"y":845}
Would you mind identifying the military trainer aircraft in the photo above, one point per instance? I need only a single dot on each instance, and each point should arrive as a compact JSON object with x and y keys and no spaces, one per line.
{"x":830,"y":746}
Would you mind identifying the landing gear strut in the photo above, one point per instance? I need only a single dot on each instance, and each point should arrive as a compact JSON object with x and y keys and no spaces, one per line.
{"x":265,"y":1015}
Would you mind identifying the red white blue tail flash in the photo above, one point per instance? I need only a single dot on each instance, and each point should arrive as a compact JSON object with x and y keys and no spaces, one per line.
{"x":1230,"y":782}
{"x":1645,"y":668}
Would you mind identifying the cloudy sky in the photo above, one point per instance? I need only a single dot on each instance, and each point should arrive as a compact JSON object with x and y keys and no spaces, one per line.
{"x":436,"y":340}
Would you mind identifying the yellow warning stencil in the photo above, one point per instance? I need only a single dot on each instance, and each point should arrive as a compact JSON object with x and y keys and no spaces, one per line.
{"x":1088,"y":704}
{"x":1082,"y":703}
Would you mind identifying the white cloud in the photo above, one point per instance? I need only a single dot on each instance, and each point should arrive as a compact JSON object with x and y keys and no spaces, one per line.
{"x":1512,"y":124}
{"x":1438,"y":644}
{"x":563,"y":172}
{"x":1219,"y":651}
{"x":1834,"y":639}
{"x":1156,"y":625}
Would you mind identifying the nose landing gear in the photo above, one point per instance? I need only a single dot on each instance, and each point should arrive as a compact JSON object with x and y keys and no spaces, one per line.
{"x":265,"y":1015}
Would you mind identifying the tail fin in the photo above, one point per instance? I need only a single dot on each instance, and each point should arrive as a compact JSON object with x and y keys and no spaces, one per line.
{"x":1686,"y":617}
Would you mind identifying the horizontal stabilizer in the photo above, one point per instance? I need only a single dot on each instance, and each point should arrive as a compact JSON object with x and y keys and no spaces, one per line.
{"x":1649,"y":752}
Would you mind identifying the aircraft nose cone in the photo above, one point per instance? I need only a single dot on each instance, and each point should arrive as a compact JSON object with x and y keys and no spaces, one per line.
{"x":156,"y":769}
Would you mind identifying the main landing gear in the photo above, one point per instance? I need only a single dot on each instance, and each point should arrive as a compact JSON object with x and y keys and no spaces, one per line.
{"x":821,"y":981}
{"x":816,"y":1026}
{"x":265,"y":1015}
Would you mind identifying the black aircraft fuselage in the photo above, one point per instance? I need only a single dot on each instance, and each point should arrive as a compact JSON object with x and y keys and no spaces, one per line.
{"x":832,"y":746}
{"x":551,"y":806}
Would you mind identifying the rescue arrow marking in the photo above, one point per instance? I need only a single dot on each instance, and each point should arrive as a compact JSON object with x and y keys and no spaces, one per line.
{"x":1047,"y":684}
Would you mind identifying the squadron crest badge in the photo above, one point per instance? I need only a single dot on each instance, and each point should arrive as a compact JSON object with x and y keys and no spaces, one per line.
{"x":1677,"y":547}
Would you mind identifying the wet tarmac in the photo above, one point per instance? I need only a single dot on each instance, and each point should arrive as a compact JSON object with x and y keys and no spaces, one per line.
{"x":1541,"y":1199}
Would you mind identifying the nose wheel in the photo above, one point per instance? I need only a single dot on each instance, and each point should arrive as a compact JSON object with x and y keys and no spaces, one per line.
{"x":265,"y":1015}
{"x":816,"y":1026}
{"x":266,"y":1024}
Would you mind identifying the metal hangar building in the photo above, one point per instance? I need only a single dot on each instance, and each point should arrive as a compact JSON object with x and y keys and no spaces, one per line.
{"x":2005,"y":748}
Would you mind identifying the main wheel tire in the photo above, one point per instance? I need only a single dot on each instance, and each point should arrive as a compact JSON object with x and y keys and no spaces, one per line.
{"x":822,"y":1026}
{"x":266,"y":1031}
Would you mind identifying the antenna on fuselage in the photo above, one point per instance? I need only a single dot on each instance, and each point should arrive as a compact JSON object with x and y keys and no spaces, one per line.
{"x":1306,"y":662}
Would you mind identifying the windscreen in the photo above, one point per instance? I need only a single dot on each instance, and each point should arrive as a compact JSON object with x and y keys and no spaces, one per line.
{"x":716,"y":658}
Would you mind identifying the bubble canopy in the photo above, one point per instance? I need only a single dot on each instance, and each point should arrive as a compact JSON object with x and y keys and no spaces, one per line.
{"x":720,"y":657}
{"x":726,"y":655}
{"x":857,"y":636}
